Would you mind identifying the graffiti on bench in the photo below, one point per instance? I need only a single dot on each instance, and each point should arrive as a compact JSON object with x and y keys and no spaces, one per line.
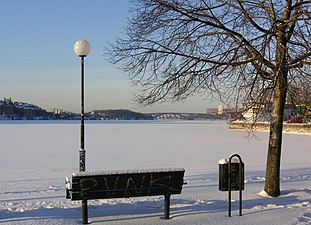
{"x":129,"y":185}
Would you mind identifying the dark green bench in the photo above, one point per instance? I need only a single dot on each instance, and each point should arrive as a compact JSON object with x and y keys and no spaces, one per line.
{"x":125,"y":184}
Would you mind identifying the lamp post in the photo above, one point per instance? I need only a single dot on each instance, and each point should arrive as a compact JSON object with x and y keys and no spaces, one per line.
{"x":82,"y":48}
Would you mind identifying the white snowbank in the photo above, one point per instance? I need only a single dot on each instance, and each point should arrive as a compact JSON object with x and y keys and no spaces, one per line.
{"x":264,"y":194}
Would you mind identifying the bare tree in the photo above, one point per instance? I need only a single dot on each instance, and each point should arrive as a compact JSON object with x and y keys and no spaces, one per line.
{"x":300,"y":91}
{"x":237,"y":50}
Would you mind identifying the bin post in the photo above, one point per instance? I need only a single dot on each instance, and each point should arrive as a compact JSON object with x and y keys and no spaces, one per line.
{"x":241,"y":181}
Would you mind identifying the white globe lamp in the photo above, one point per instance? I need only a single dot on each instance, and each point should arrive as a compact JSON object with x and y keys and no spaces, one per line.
{"x":82,"y":48}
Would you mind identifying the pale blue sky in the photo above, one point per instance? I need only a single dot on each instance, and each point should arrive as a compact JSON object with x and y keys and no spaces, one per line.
{"x":38,"y":64}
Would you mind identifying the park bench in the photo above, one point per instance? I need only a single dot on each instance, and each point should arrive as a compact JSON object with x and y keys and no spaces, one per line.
{"x":124,"y":184}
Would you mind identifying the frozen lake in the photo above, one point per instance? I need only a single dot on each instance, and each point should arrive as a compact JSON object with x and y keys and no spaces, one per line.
{"x":195,"y":145}
{"x":37,"y":155}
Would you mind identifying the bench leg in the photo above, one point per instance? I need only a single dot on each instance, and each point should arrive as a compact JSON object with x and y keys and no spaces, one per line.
{"x":84,"y":212}
{"x":167,"y":206}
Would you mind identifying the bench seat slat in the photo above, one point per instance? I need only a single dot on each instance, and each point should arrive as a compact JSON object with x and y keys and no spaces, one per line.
{"x":121,"y":193}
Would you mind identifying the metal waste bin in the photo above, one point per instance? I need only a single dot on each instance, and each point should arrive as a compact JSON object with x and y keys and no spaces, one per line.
{"x":231,"y":178}
{"x":234,"y":175}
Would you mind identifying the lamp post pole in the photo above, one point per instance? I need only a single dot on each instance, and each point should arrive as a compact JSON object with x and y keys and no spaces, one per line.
{"x":82,"y":48}
{"x":82,"y":132}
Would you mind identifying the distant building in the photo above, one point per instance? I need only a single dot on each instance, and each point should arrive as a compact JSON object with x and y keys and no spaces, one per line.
{"x":57,"y":111}
{"x":211,"y":110}
{"x":220,"y":110}
{"x":261,"y":112}
{"x":7,"y":99}
{"x":257,"y":113}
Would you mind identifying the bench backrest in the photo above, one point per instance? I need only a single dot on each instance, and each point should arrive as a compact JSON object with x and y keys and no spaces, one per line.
{"x":126,"y":185}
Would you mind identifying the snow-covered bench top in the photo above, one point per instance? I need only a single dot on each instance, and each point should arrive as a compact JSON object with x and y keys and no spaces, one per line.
{"x":128,"y":171}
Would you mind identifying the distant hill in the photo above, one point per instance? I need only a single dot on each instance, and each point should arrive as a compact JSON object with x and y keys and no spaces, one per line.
{"x":118,"y":114}
{"x":124,"y":114}
{"x":21,"y":110}
{"x":10,"y":110}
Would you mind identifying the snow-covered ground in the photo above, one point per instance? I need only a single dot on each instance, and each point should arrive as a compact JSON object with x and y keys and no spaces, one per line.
{"x":37,"y":156}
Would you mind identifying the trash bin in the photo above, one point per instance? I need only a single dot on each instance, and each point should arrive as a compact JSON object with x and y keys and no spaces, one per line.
{"x":235,"y":175}
{"x":231,"y":178}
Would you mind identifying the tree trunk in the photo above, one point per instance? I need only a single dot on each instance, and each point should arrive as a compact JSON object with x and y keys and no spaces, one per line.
{"x":272,"y":184}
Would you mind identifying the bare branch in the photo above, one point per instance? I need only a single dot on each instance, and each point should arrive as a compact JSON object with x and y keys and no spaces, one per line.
{"x":204,"y":43}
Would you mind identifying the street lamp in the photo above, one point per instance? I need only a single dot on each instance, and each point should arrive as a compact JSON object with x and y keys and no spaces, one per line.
{"x":82,"y":48}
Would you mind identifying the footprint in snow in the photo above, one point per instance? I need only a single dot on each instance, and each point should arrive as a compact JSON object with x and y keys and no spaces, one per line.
{"x":304,"y":219}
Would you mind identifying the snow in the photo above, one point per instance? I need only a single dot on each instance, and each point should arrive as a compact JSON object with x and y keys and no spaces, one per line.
{"x":264,"y":194}
{"x":129,"y":171}
{"x":37,"y":156}
{"x":223,"y":161}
